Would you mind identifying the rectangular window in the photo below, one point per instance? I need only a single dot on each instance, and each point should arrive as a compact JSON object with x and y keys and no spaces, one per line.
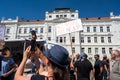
{"x":36,"y":30}
{"x":57,"y":16}
{"x":109,"y":39}
{"x":108,"y":29}
{"x":30,"y":30}
{"x":96,"y":50}
{"x":25,"y":30}
{"x":89,"y":50}
{"x":102,"y":39}
{"x":65,"y":16}
{"x":49,"y":29}
{"x":41,"y":38}
{"x":82,"y":49}
{"x":94,"y":29}
{"x":61,"y":40}
{"x":8,"y":31}
{"x":20,"y":31}
{"x":73,"y":49}
{"x":88,"y":29}
{"x":89,"y":39}
{"x":64,"y":39}
{"x":49,"y":38}
{"x":73,"y":39}
{"x":72,"y":15}
{"x":56,"y":39}
{"x":110,"y":49}
{"x":101,"y":29}
{"x":82,"y":39}
{"x":61,"y":16}
{"x":103,"y":50}
{"x":50,"y":16}
{"x":41,"y":30}
{"x":95,"y":39}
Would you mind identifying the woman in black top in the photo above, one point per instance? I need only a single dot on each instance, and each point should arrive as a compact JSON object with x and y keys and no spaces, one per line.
{"x":55,"y":58}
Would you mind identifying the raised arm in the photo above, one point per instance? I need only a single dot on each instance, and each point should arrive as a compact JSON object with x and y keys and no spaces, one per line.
{"x":19,"y":73}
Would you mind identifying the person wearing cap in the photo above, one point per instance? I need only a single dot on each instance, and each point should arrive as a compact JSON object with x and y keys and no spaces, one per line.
{"x":55,"y":58}
{"x":84,"y":68}
{"x":115,"y":69}
{"x":8,"y":65}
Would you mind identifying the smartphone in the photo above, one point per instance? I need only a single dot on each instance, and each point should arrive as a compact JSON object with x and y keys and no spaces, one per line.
{"x":33,"y":41}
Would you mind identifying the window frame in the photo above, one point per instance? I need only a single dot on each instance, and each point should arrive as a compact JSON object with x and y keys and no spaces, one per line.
{"x":88,"y":29}
{"x":101,"y":28}
{"x":89,"y":39}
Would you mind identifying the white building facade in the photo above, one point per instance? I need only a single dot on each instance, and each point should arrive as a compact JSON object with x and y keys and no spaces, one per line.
{"x":99,"y":35}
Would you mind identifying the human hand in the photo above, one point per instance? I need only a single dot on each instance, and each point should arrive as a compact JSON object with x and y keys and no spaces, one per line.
{"x":27,"y":52}
{"x":39,"y":52}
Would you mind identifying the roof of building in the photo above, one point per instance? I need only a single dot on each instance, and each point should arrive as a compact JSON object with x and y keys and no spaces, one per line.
{"x":96,"y":18}
{"x":83,"y":19}
{"x":62,"y":9}
{"x":31,"y":20}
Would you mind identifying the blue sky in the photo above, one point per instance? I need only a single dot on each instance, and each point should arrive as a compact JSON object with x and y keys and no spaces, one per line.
{"x":35,"y":9}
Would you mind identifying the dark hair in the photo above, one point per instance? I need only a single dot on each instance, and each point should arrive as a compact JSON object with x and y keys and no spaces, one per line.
{"x":97,"y":55}
{"x":5,"y":49}
{"x":59,"y":73}
{"x":17,"y":57}
{"x":104,"y":57}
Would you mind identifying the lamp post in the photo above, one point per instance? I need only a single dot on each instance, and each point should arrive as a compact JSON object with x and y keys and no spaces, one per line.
{"x":80,"y":40}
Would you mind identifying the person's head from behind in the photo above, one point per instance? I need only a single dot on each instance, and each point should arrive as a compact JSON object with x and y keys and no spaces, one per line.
{"x":77,"y":56}
{"x":6,"y":52}
{"x":115,"y":54}
{"x":83,"y":56}
{"x":96,"y":56}
{"x":105,"y":57}
{"x":55,"y":57}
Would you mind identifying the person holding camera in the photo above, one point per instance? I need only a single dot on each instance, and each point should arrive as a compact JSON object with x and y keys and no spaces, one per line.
{"x":55,"y":59}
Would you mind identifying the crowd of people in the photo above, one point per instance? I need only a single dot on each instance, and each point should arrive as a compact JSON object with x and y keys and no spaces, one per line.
{"x":54,"y":63}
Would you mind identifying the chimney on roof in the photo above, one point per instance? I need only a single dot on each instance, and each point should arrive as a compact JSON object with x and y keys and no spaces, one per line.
{"x":38,"y":20}
{"x":17,"y":18}
{"x":86,"y":18}
{"x":99,"y":17}
{"x":111,"y":14}
{"x":3,"y":18}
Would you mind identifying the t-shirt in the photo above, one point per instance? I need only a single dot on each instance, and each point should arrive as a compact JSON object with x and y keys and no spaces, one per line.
{"x":115,"y":71}
{"x":38,"y":77}
{"x":105,"y":63}
{"x":83,"y":68}
{"x":97,"y":66}
{"x":6,"y":65}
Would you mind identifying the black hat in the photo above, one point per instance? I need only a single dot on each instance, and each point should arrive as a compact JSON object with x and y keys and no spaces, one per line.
{"x":57,"y":54}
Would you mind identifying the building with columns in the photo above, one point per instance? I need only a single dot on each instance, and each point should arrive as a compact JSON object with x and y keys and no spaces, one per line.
{"x":99,"y":35}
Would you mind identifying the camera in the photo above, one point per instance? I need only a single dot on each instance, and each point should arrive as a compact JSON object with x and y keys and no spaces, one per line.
{"x":33,"y":41}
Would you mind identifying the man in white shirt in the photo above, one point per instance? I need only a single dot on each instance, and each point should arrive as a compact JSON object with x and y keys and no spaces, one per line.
{"x":115,"y":67}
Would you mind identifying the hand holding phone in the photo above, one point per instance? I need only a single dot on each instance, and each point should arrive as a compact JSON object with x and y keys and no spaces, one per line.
{"x":33,"y":41}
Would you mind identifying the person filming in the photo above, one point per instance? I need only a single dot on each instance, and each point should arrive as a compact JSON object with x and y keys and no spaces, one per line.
{"x":55,"y":58}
